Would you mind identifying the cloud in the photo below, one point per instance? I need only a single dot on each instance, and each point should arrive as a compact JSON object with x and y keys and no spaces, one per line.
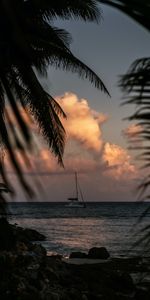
{"x":83,"y":124}
{"x":120,"y":161}
{"x":132,"y":131}
{"x":103,"y":166}
{"x":91,"y":154}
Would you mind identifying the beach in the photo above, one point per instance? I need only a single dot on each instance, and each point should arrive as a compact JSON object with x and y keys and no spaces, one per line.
{"x":44,"y":255}
{"x":27,"y":272}
{"x":49,"y":252}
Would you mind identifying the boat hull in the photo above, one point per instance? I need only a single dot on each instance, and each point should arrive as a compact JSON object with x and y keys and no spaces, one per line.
{"x":71,"y":205}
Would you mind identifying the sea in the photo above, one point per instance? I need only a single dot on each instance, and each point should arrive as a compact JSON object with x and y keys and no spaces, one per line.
{"x":118,"y":226}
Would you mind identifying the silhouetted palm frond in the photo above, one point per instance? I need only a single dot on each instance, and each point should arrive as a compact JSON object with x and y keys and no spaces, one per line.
{"x":136,"y":83}
{"x":138,"y":10}
{"x":79,"y":9}
{"x":29,"y":43}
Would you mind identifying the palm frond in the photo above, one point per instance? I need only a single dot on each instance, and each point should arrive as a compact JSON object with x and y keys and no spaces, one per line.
{"x":48,"y":48}
{"x":79,"y":9}
{"x":22,"y":124}
{"x":136,"y":84}
{"x":5,"y":141}
{"x":138,"y":10}
{"x":29,"y":44}
{"x":44,"y":109}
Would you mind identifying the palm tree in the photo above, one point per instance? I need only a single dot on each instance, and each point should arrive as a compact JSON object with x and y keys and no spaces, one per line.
{"x":29,"y":44}
{"x":136,"y":84}
{"x":138,"y":10}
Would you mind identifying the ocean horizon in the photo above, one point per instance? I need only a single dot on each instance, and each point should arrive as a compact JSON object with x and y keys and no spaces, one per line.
{"x":114,"y":225}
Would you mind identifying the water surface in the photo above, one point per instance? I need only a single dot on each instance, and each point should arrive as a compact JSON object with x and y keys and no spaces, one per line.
{"x":78,"y":229}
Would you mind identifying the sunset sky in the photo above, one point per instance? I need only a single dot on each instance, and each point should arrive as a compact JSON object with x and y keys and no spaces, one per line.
{"x":96,"y":145}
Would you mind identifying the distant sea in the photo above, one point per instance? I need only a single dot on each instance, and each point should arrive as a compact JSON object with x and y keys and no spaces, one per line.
{"x":114,"y":225}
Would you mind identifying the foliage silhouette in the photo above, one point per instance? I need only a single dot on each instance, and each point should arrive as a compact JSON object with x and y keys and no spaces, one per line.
{"x":29,"y":44}
{"x":136,"y":86}
{"x":138,"y":10}
{"x":136,"y":83}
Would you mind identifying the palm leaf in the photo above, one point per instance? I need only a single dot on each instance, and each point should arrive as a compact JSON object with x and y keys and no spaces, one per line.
{"x":44,"y":111}
{"x":29,"y":44}
{"x":136,"y":83}
{"x":138,"y":10}
{"x":79,"y":9}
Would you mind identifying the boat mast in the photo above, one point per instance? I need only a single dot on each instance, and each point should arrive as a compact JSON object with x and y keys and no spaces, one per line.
{"x":76,"y":181}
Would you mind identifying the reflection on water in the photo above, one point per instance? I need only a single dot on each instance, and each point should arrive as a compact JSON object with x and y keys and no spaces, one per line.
{"x":69,"y":230}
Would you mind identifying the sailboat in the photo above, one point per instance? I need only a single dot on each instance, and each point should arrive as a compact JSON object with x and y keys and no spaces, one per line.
{"x":74,"y":201}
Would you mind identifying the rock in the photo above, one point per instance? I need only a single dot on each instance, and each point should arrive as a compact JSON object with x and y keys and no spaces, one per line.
{"x":125,"y":280}
{"x":57,"y":256}
{"x":121,"y":281}
{"x":7,"y":236}
{"x":21,"y":247}
{"x":98,"y":253}
{"x":78,"y":255}
{"x":33,"y":235}
{"x":75,"y":294}
{"x":142,"y":294}
{"x":49,"y":295}
{"x":65,"y":295}
{"x":84,"y":297}
{"x":27,"y":235}
{"x":38,"y":250}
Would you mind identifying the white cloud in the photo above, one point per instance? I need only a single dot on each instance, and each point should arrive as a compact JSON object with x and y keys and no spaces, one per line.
{"x":83,"y":124}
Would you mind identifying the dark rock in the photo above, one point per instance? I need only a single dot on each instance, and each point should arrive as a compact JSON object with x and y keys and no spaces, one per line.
{"x":21,"y":247}
{"x":14,"y":237}
{"x":78,"y":255}
{"x":51,"y":274}
{"x":84,"y":297}
{"x":33,"y":235}
{"x":26,"y":273}
{"x":142,"y":294}
{"x":121,"y":281}
{"x":65,"y":295}
{"x":49,"y":295}
{"x":75,"y":294}
{"x":27,"y":235}
{"x":98,"y":253}
{"x":57,"y":256}
{"x":7,"y":236}
{"x":38,"y":250}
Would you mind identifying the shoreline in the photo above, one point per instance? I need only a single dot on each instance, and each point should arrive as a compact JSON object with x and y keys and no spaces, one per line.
{"x":28,"y":273}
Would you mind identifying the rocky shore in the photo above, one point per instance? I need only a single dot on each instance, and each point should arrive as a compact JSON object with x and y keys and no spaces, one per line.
{"x":26,"y":272}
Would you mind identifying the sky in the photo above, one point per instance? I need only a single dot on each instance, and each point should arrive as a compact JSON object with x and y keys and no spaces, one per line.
{"x":96,"y":144}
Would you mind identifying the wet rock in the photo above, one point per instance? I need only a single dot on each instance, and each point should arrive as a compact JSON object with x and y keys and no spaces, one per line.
{"x":98,"y":253}
{"x":13,"y":237}
{"x":38,"y":250}
{"x":57,"y":256}
{"x":27,"y":235}
{"x":78,"y":255}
